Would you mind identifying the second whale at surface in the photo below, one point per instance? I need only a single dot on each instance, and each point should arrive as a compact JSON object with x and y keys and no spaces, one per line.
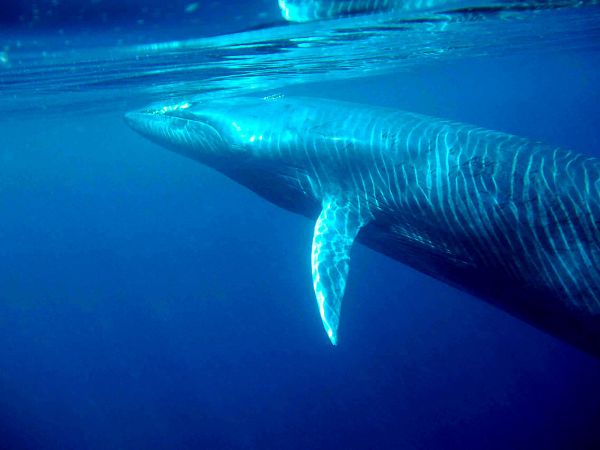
{"x":509,"y":220}
{"x":309,"y":10}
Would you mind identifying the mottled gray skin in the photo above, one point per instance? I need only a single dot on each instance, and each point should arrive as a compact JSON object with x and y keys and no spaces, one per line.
{"x":509,"y":220}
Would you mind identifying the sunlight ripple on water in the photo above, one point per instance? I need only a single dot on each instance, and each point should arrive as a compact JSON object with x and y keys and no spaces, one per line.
{"x":107,"y":78}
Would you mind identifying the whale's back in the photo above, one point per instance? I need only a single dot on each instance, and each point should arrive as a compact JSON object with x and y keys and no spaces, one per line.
{"x":510,"y":220}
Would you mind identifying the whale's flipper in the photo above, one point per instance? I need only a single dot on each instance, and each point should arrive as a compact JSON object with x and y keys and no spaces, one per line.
{"x":335,"y":230}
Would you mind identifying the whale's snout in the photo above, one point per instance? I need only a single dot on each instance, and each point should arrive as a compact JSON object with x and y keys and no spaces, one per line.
{"x":136,"y":120}
{"x":150,"y":124}
{"x":179,"y":130}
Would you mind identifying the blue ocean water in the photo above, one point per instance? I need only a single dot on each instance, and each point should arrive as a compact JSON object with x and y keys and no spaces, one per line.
{"x":149,"y":302}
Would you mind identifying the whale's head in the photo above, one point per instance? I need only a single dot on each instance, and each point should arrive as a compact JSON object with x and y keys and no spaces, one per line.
{"x":226,"y":131}
{"x":263,"y":143}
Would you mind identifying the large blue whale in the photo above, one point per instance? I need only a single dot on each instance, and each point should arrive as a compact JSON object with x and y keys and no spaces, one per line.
{"x":509,"y":220}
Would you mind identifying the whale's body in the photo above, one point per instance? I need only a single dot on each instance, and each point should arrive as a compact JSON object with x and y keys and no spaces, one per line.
{"x":308,"y":10}
{"x":512,"y":221}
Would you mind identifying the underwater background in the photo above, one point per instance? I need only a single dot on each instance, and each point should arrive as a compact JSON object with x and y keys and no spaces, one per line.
{"x":148,"y":302}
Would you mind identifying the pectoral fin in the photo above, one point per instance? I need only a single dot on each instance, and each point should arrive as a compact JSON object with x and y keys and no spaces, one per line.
{"x":335,"y":230}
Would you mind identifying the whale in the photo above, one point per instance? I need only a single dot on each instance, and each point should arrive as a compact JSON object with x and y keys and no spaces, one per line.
{"x":310,"y":10}
{"x":512,"y":221}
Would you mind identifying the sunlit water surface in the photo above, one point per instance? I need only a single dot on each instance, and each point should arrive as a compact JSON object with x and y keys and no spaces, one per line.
{"x":46,"y":76}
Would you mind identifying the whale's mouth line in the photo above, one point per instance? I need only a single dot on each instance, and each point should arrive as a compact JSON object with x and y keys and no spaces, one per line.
{"x":179,"y":111}
{"x":154,"y":123}
{"x":183,"y":114}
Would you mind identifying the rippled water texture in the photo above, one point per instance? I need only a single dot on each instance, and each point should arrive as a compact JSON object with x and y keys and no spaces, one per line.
{"x":127,"y":76}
